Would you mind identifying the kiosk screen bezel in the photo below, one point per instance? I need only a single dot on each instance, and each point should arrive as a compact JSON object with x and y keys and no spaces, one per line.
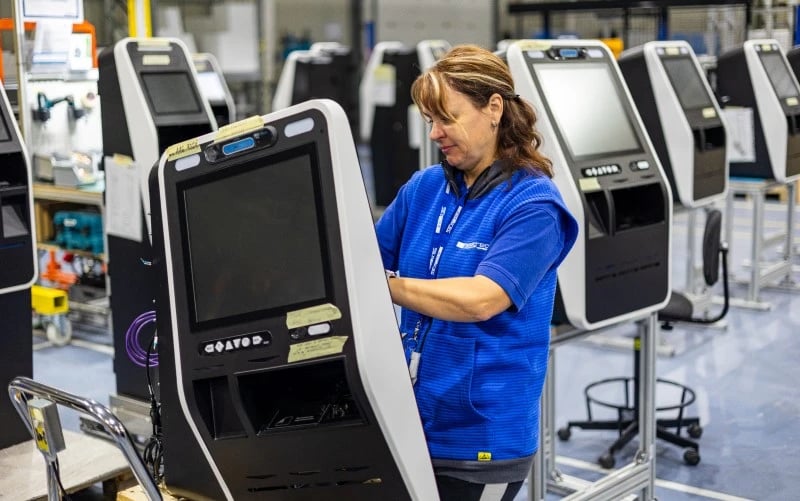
{"x":589,"y":142}
{"x":171,"y":93}
{"x":254,"y":262}
{"x":776,"y":65}
{"x":687,"y":83}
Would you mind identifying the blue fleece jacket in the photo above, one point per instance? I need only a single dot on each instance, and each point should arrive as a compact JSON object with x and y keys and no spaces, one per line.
{"x":479,"y":383}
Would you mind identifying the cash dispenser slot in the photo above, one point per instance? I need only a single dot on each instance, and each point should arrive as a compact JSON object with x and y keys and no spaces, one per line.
{"x":637,"y":206}
{"x":299,"y":397}
{"x":622,"y":209}
{"x":709,"y":138}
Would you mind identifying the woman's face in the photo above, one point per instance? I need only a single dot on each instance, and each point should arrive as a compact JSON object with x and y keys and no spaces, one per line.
{"x":469,"y":142}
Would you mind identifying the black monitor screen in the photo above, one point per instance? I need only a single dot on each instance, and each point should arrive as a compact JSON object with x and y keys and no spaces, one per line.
{"x":171,"y":93}
{"x":4,"y":135}
{"x":778,"y":73}
{"x":687,"y":82}
{"x":254,"y":239}
{"x":588,"y":108}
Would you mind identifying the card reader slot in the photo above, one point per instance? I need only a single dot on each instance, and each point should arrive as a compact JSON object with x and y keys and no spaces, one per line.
{"x":214,"y":401}
{"x":598,"y":216}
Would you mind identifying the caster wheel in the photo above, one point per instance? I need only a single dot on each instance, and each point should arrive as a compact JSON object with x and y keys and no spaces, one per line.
{"x":59,"y":332}
{"x":564,"y":434}
{"x":607,"y":461}
{"x":695,"y":431}
{"x":691,"y":457}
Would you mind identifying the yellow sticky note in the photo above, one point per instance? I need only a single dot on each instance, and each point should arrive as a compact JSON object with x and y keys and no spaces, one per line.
{"x":589,"y":184}
{"x":239,"y":128}
{"x":534,"y":45}
{"x":316,"y":348}
{"x":709,"y":112}
{"x":121,"y":159}
{"x":313,"y":315}
{"x":484,"y":456}
{"x":791,"y":101}
{"x":156,"y":60}
{"x":184,"y":149}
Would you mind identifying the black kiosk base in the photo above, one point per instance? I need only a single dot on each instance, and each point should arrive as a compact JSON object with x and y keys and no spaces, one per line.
{"x":17,"y":351}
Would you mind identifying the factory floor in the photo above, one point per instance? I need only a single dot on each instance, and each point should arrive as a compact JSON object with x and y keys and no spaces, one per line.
{"x":748,"y":399}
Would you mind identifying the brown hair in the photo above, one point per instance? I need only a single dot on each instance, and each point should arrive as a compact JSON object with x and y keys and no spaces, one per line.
{"x":478,"y":74}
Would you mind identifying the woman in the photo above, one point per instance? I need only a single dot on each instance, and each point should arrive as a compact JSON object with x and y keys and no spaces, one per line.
{"x":476,"y":242}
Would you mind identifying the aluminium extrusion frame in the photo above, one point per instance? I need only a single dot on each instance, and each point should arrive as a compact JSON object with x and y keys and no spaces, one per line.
{"x":635,"y":477}
{"x":22,"y":388}
{"x":763,"y":274}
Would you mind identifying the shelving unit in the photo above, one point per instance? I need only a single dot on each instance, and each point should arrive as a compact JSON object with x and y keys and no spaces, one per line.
{"x":93,"y":309}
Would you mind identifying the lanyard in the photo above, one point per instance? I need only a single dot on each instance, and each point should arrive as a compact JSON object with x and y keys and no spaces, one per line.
{"x":440,"y":239}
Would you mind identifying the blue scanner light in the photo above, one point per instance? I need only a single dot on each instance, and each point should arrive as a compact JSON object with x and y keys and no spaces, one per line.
{"x":237,"y":146}
{"x":568,"y":53}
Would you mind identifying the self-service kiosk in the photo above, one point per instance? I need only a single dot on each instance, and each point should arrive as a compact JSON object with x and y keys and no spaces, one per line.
{"x":276,"y":325}
{"x":682,"y":118}
{"x":385,"y":100}
{"x":327,"y":70}
{"x":757,"y":76}
{"x":214,"y":88}
{"x":151,"y":100}
{"x":609,"y":176}
{"x":18,"y":268}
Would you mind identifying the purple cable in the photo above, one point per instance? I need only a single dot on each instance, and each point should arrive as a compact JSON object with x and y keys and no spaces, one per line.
{"x":136,"y":353}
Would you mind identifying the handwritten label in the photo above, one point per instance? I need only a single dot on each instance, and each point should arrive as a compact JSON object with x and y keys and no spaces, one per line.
{"x":313,"y":315}
{"x":184,"y":149}
{"x":316,"y":348}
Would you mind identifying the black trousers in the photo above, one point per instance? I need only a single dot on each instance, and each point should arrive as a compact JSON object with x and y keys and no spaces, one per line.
{"x":453,"y":489}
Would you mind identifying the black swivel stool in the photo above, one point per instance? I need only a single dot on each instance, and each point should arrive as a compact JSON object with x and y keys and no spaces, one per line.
{"x":679,"y":309}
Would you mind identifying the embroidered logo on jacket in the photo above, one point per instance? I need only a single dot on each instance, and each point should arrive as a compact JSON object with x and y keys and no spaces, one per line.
{"x":473,"y":245}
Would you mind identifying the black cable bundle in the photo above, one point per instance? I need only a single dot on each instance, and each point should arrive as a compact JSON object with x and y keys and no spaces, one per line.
{"x":153,"y":454}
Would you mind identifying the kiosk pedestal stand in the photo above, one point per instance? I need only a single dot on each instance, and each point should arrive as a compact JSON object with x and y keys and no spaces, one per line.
{"x":763,"y":272}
